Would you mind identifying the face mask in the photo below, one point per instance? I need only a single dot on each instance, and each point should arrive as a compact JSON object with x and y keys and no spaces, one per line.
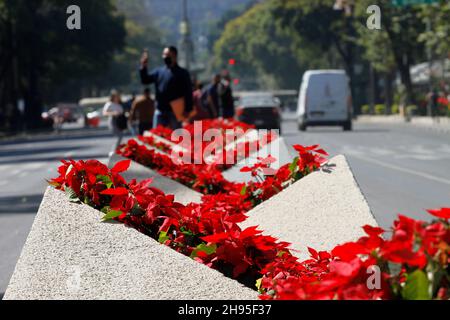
{"x":168,"y":61}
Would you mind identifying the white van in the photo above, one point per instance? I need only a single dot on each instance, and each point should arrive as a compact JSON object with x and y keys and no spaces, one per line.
{"x":325,"y":99}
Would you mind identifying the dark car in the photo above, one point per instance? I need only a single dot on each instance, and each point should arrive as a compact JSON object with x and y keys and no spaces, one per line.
{"x":260,"y":109}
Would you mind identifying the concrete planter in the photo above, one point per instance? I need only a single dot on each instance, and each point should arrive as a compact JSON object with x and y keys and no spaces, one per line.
{"x":322,"y":210}
{"x":71,"y":255}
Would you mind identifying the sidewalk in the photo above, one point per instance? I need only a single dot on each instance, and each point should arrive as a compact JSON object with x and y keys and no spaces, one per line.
{"x":439,"y":124}
{"x":67,"y":131}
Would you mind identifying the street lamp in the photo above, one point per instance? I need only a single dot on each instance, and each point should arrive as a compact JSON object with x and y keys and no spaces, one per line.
{"x":186,"y":42}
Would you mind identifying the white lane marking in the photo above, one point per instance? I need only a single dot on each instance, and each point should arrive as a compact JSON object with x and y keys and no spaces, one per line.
{"x":401,"y":169}
{"x":68,"y":154}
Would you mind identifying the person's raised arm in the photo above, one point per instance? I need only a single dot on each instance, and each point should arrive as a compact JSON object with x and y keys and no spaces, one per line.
{"x":146,"y":77}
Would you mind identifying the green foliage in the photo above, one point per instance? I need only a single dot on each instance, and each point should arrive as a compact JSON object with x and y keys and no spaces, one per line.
{"x":380,"y":109}
{"x":204,"y":248}
{"x":395,"y":109}
{"x":416,"y":286}
{"x":365,"y":109}
{"x":47,"y":62}
{"x":412,"y":110}
{"x":267,"y":46}
{"x":438,"y":37}
{"x":111,"y":215}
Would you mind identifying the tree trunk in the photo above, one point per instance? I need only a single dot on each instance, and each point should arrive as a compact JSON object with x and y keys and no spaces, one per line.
{"x":388,"y":92}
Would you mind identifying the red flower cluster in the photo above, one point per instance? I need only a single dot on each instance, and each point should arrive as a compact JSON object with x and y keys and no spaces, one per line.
{"x":223,"y":157}
{"x":413,"y":264}
{"x":206,"y":179}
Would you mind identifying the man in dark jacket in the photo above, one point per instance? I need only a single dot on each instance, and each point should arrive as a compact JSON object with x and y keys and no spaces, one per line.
{"x":226,"y":96}
{"x":172,"y":84}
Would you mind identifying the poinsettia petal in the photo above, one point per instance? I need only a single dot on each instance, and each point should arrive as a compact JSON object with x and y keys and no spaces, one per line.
{"x":121,"y":166}
{"x":215,"y":238}
{"x":443,"y":213}
{"x":115,"y":192}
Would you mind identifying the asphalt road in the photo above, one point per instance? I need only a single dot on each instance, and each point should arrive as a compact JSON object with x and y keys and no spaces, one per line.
{"x":24,"y":167}
{"x":400,"y":170}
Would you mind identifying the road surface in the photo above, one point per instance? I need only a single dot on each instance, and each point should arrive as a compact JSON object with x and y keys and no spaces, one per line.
{"x":24,"y":167}
{"x":400,"y":170}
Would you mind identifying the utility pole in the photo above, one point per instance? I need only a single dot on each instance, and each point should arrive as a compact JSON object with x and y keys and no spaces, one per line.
{"x":430,"y":69}
{"x":186,"y":41}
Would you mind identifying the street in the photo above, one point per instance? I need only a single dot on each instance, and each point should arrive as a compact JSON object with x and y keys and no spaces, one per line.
{"x":399,"y":169}
{"x":24,"y":167}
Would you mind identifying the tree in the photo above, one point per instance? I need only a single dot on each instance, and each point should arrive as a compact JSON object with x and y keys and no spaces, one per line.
{"x":264,"y":49}
{"x":40,"y":53}
{"x":397,"y":41}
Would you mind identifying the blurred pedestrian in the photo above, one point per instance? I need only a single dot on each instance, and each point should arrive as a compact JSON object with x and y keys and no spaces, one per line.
{"x":173,"y":89}
{"x":433,"y":97}
{"x":129,"y":103}
{"x":210,"y":97}
{"x":226,"y":96}
{"x":142,"y":111}
{"x":200,"y":111}
{"x":114,"y":111}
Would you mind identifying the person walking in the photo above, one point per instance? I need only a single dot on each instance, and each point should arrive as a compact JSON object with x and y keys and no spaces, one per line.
{"x":142,"y":111}
{"x":200,"y":111}
{"x":433,"y":97}
{"x":173,"y":89}
{"x":226,"y":96}
{"x":210,"y":97}
{"x":114,"y":111}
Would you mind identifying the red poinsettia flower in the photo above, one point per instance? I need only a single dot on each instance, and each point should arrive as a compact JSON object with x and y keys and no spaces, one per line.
{"x":443,"y":213}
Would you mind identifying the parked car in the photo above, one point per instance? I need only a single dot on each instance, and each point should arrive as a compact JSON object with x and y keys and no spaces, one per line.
{"x":325,"y":100}
{"x":260,"y":109}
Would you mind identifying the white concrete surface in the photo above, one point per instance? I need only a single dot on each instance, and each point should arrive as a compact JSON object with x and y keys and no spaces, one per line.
{"x":438,"y":123}
{"x":320,"y":211}
{"x":70,"y":254}
{"x":277,"y":148}
{"x":136,"y":171}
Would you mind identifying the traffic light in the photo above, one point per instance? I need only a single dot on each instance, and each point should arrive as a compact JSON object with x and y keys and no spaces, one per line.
{"x":231,"y":62}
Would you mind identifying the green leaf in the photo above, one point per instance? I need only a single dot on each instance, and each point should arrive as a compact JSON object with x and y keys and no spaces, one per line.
{"x":163,"y":237}
{"x":205,"y":248}
{"x":106,"y":180}
{"x":244,"y":191}
{"x":416,"y":287}
{"x":111,"y":215}
{"x":72,"y":195}
{"x":258,"y":284}
{"x":294,"y":165}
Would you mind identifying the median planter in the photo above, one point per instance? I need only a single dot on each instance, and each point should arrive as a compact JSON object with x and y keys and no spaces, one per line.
{"x":136,"y":171}
{"x":70,"y":254}
{"x":254,"y":234}
{"x":322,"y":210}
